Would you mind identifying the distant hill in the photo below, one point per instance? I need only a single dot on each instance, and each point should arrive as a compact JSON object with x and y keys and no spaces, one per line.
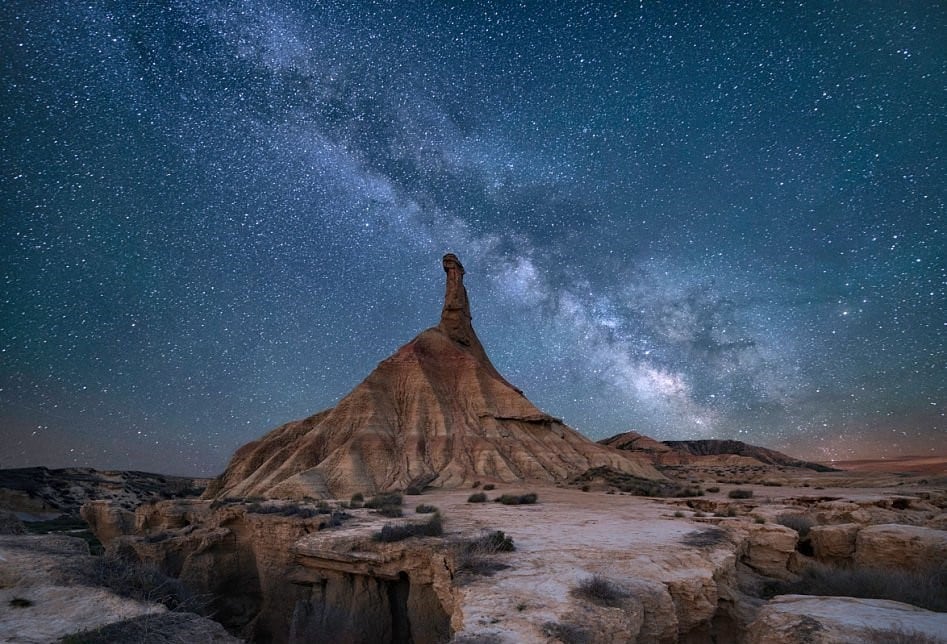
{"x":39,"y":490}
{"x":694,"y":451}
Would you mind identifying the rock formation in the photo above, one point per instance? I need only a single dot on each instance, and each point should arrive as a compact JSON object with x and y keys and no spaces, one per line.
{"x":436,"y":412}
{"x":706,"y":452}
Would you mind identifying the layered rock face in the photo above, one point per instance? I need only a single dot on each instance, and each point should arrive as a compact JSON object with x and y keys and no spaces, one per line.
{"x":705,"y":452}
{"x":436,"y":412}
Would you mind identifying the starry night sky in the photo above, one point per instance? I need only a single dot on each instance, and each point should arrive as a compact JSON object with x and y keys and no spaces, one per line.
{"x":714,"y":220}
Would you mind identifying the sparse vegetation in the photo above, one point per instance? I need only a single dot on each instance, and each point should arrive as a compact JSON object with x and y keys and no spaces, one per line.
{"x":798,"y":522}
{"x":20,"y":602}
{"x":925,"y":588}
{"x":433,"y":527}
{"x":601,"y":590}
{"x":425,"y":509}
{"x":387,"y":504}
{"x":143,"y":582}
{"x":713,"y":489}
{"x":518,"y":499}
{"x":567,"y":633}
{"x":357,"y":500}
{"x":489,"y":486}
{"x":759,"y":520}
{"x":900,"y":635}
{"x":386,"y":498}
{"x":678,"y":514}
{"x":740,"y":493}
{"x":286,"y":510}
{"x":477,"y":497}
{"x":475,"y":556}
{"x":704,"y":538}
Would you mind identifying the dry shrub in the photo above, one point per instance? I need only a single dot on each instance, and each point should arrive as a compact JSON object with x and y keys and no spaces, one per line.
{"x":425,"y":509}
{"x":567,"y":633}
{"x":601,"y":590}
{"x":433,"y":527}
{"x":518,"y":499}
{"x":477,"y":497}
{"x":798,"y":522}
{"x":740,"y":493}
{"x":475,"y":556}
{"x":143,"y":582}
{"x":705,"y":538}
{"x":925,"y":588}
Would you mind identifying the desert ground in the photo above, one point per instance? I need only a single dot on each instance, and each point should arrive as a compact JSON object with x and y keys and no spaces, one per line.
{"x":591,"y":563}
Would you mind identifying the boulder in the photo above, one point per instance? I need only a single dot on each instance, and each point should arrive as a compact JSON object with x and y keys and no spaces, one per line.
{"x":833,"y":543}
{"x":900,"y":546}
{"x":107,"y":520}
{"x":768,"y":548}
{"x":804,"y":619}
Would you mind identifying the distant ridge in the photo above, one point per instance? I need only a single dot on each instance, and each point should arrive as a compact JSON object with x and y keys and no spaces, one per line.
{"x":682,"y":452}
{"x":437,"y":412}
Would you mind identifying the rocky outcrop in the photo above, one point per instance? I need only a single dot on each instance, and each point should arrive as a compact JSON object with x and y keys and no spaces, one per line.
{"x":46,"y":594}
{"x":739,"y":448}
{"x":10,"y":524}
{"x":437,"y":410}
{"x":768,"y":548}
{"x":107,"y":520}
{"x":900,"y":546}
{"x":44,"y":491}
{"x":833,"y":543}
{"x":801,"y":619}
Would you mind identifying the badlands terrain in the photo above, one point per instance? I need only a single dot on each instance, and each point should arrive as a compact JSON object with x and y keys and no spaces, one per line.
{"x":435,"y":504}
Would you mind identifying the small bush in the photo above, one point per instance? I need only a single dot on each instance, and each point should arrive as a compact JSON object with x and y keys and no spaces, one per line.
{"x":517,"y":499}
{"x":477,"y":497}
{"x":489,"y":486}
{"x":713,"y":488}
{"x":798,"y":522}
{"x":381,"y":500}
{"x":567,"y":633}
{"x":357,"y":500}
{"x":900,"y":635}
{"x":390,"y":511}
{"x":336,"y":519}
{"x":19,"y":602}
{"x":602,"y":591}
{"x":901,"y":503}
{"x":433,"y":527}
{"x":704,"y":538}
{"x":143,"y":582}
{"x":475,"y":485}
{"x":413,"y":490}
{"x":678,"y":514}
{"x":474,"y":556}
{"x":740,"y":493}
{"x":425,"y":509}
{"x":759,"y":520}
{"x":585,"y":488}
{"x":924,"y":588}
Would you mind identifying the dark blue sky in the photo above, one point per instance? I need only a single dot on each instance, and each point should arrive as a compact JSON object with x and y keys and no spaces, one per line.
{"x":716,"y":220}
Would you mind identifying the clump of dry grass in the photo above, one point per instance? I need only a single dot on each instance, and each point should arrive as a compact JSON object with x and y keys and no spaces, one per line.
{"x":601,"y":590}
{"x":926,"y":588}
{"x":705,"y":538}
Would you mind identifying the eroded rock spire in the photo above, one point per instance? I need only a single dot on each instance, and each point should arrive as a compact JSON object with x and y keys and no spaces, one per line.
{"x":455,"y":316}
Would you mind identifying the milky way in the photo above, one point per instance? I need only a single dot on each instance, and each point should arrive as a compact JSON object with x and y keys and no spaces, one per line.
{"x":692,"y":221}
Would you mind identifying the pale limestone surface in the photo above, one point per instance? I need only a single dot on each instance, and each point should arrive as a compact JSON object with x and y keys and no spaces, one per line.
{"x":802,"y":619}
{"x":28,"y":570}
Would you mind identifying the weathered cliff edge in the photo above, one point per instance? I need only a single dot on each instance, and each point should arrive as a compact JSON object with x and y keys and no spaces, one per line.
{"x":292,"y":579}
{"x":435,"y":413}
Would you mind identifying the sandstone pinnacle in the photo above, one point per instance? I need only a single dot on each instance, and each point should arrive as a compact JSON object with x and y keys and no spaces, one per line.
{"x":436,"y":411}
